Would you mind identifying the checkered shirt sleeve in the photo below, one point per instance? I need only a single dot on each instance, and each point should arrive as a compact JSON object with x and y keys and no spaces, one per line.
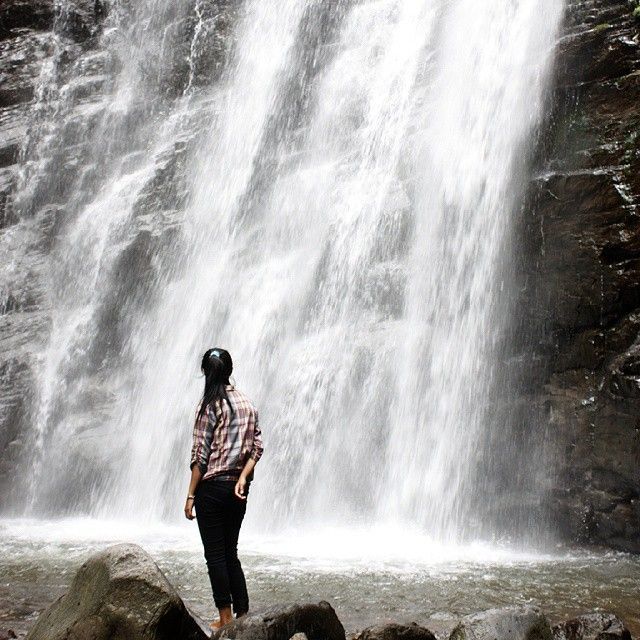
{"x":202,"y":435}
{"x":257,"y":449}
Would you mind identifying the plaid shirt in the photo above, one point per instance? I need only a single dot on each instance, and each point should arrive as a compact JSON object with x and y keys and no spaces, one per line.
{"x":222,"y":442}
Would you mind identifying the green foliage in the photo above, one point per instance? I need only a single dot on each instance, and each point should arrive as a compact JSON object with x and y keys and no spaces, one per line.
{"x":602,"y":26}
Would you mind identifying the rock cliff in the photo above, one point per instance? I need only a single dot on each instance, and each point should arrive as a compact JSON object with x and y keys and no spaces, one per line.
{"x":581,"y":275}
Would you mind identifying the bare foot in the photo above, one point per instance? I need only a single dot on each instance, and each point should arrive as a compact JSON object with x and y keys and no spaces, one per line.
{"x":225,"y":618}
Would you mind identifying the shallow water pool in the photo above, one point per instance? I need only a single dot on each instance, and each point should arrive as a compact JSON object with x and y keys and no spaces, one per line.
{"x":369,"y":576}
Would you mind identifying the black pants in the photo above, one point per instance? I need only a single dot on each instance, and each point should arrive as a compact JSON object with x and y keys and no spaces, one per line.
{"x":219,"y":515}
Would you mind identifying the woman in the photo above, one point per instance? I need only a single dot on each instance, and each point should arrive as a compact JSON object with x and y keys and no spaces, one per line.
{"x":227,"y":444}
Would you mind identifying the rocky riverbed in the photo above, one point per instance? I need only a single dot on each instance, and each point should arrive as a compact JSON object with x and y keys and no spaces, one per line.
{"x":121,"y":592}
{"x":365,"y":584}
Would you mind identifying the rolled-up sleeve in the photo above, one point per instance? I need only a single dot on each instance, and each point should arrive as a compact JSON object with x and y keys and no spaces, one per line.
{"x":257,"y":448}
{"x":201,"y":447}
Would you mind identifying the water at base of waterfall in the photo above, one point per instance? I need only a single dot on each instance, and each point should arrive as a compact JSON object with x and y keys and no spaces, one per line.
{"x":367,"y":574}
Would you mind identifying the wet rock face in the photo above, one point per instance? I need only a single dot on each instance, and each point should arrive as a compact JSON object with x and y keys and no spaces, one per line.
{"x":59,"y":69}
{"x":582,"y":283}
{"x":26,"y":29}
{"x":46,"y":49}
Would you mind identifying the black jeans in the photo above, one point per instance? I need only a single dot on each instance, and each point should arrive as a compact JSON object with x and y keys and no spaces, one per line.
{"x":219,"y":515}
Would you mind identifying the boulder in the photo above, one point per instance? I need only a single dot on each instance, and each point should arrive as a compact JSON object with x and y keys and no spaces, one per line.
{"x":592,"y":626}
{"x":394,"y":631}
{"x":118,"y":594}
{"x":507,"y":623}
{"x":441,"y":624}
{"x":315,"y":621}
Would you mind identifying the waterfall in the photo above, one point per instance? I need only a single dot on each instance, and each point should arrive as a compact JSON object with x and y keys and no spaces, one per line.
{"x":325,"y":189}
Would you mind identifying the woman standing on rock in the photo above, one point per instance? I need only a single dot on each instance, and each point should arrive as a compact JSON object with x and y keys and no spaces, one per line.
{"x":227,"y":444}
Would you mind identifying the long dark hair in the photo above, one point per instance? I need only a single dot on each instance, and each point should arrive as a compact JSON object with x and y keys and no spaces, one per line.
{"x":217,"y":367}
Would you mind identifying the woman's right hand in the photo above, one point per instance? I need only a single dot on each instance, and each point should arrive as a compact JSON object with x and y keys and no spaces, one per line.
{"x":188,"y":509}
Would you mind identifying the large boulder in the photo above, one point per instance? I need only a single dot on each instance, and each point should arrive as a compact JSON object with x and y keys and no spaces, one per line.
{"x":507,"y":623}
{"x":394,"y":631}
{"x":315,"y":621}
{"x":118,"y":594}
{"x":592,"y":626}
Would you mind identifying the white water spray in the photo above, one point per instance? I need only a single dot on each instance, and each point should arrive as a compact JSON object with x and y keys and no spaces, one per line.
{"x":345,"y":236}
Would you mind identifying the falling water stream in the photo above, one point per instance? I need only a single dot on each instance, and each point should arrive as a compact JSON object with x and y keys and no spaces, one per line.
{"x":331,"y":199}
{"x":349,"y":182}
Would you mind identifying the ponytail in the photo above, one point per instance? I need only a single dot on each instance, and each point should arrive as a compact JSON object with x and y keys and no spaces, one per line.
{"x":217,"y":367}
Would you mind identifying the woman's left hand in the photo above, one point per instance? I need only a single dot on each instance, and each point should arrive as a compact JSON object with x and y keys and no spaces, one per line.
{"x":188,"y":510}
{"x":241,"y":488}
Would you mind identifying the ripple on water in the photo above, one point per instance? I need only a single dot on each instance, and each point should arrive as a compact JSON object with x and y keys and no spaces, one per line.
{"x":368,"y":576}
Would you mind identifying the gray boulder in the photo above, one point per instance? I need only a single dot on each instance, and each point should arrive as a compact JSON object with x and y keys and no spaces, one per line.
{"x":592,"y":626}
{"x":394,"y":631}
{"x":118,"y":594}
{"x":507,"y":623}
{"x":441,"y":624}
{"x":315,"y":621}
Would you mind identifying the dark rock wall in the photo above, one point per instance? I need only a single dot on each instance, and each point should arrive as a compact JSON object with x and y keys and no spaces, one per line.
{"x":581,"y":284}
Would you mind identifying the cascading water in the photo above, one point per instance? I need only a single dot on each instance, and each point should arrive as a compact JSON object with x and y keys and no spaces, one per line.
{"x":334,"y":208}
